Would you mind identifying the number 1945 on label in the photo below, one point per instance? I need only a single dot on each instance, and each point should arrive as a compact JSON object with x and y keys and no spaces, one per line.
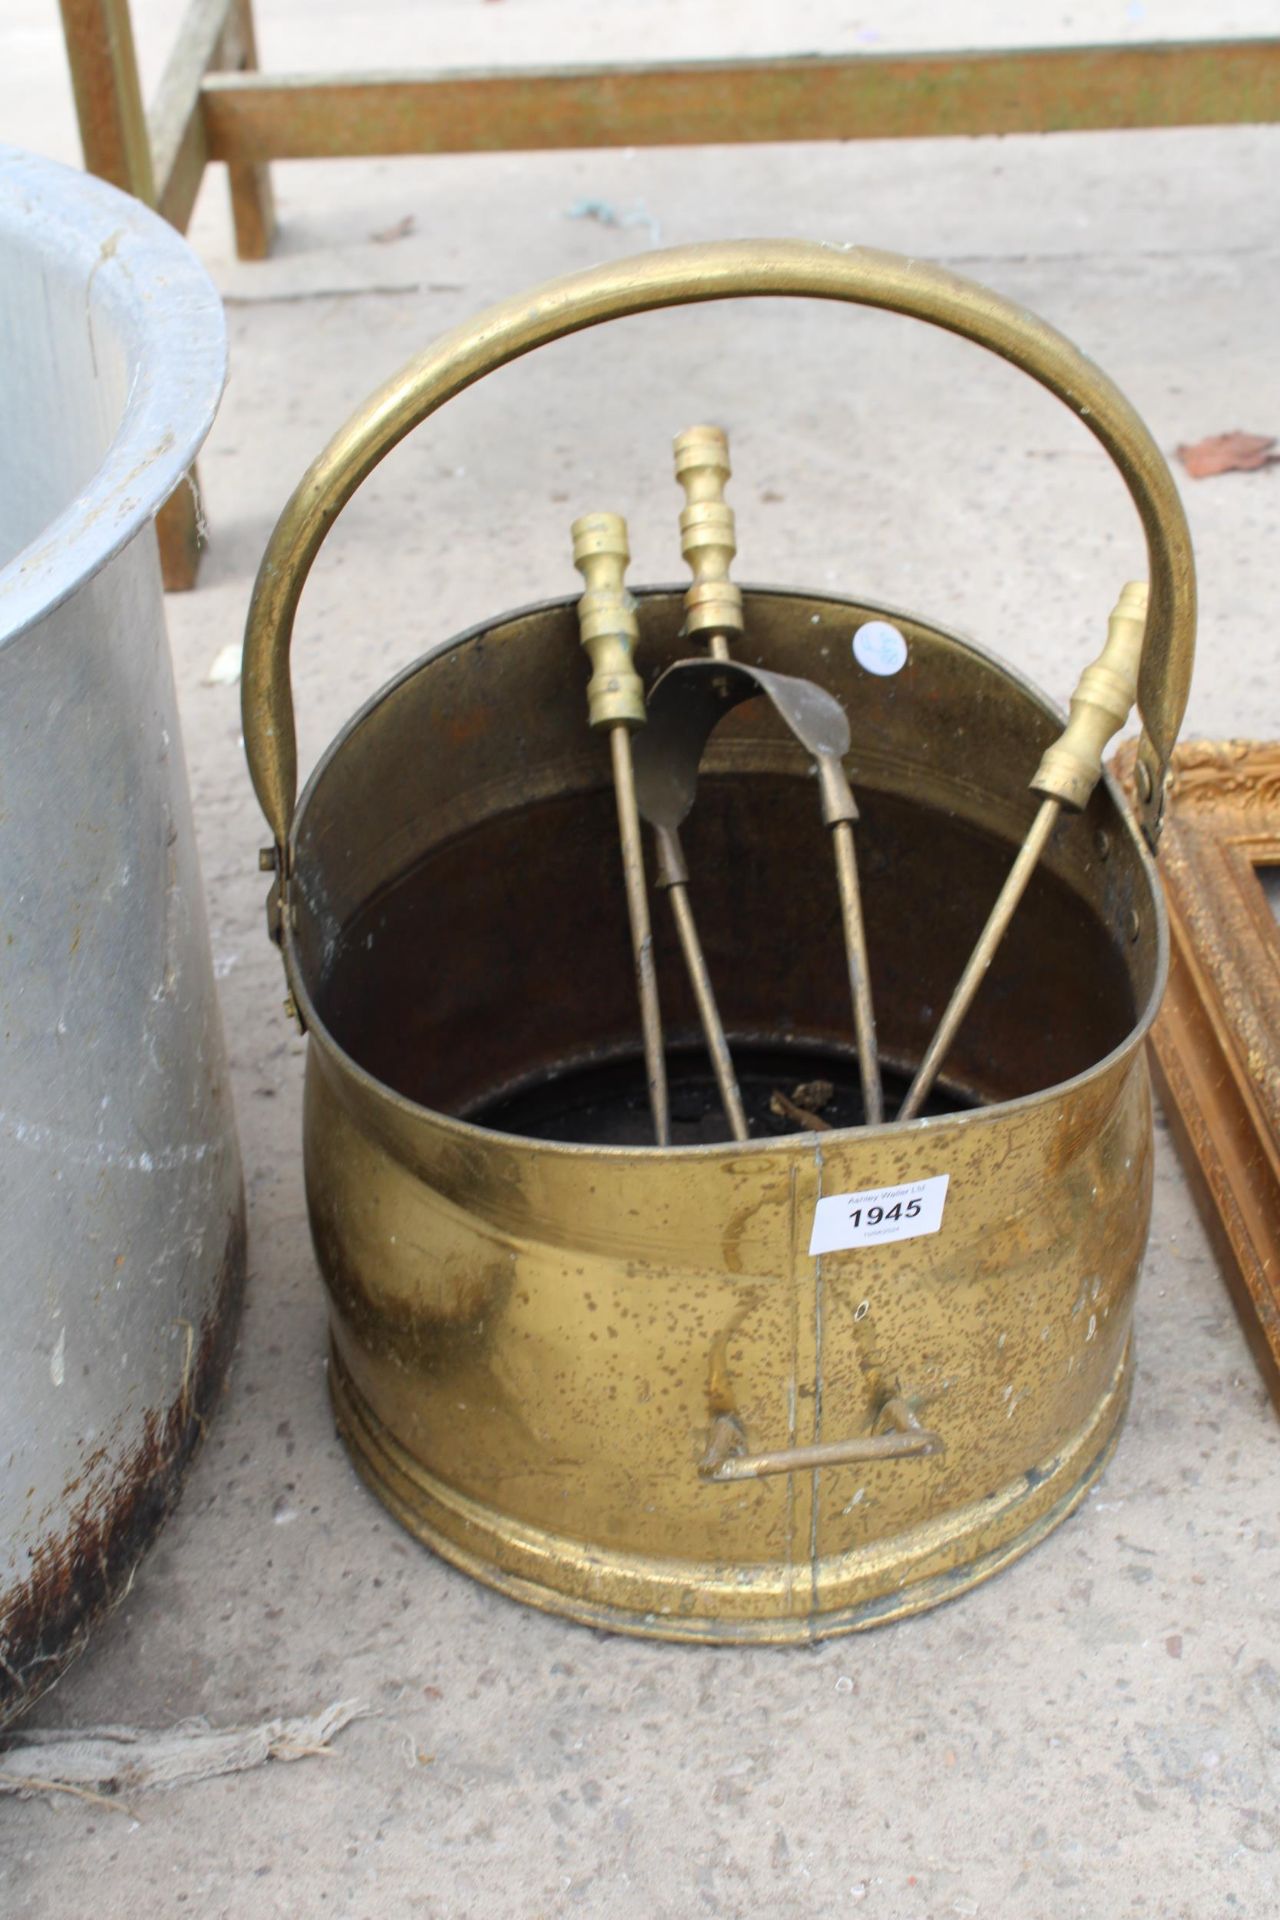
{"x":878,"y":1214}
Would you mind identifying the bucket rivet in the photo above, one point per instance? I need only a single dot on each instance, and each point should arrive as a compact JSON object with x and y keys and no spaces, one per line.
{"x":1133,"y":926}
{"x":1102,"y":841}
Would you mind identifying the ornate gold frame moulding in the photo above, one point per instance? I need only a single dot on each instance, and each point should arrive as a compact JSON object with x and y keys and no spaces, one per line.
{"x":1216,"y":1046}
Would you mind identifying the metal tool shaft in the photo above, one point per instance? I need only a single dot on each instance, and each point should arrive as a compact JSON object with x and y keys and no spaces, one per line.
{"x":855,"y":946}
{"x":839,"y":811}
{"x":981,"y":957}
{"x":655,"y":1066}
{"x":673,"y":878}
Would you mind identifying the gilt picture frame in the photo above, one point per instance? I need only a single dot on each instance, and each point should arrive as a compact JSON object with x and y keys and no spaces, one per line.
{"x":1215,"y":1048}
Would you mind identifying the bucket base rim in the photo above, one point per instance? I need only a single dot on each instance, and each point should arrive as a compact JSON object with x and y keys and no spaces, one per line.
{"x":436,"y":1516}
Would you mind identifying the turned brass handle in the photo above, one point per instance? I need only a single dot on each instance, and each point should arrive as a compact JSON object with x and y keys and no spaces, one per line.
{"x":907,"y":1440}
{"x":684,"y":276}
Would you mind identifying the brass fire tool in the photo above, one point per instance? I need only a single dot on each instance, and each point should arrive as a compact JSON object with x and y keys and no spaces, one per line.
{"x":713,"y":606}
{"x":1066,"y":776}
{"x":615,"y":700}
{"x":690,"y":699}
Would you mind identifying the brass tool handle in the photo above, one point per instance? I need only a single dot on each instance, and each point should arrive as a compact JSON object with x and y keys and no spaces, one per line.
{"x":683,"y":276}
{"x":907,"y":1440}
{"x":708,"y":539}
{"x":1104,"y":696}
{"x":607,"y":621}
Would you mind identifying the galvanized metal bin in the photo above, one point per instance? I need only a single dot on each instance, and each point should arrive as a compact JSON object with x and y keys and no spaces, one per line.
{"x":121,"y":1205}
{"x":546,"y":1343}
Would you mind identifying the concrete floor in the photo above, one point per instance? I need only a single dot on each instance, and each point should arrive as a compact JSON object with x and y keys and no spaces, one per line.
{"x":1098,"y":1730}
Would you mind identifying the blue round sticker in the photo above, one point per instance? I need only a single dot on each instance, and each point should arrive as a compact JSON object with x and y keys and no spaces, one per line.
{"x":880,"y":648}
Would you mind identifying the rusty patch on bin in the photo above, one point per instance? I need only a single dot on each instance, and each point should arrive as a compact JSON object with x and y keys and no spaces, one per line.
{"x":46,"y":1618}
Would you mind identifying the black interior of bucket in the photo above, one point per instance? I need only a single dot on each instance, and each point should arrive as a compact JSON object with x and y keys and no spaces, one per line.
{"x":494,"y":980}
{"x":606,"y":1103}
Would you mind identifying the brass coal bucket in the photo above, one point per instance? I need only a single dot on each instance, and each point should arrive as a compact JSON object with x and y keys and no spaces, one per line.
{"x":546,"y":1347}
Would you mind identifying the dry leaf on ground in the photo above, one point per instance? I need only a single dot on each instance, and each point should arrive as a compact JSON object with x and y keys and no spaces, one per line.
{"x":1228,"y":453}
{"x":400,"y":231}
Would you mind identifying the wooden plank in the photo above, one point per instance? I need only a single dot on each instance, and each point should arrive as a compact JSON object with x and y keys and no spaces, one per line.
{"x":215,"y":34}
{"x":104,"y":80}
{"x":180,"y":533}
{"x":179,"y":148}
{"x":256,"y":118}
{"x":253,"y":204}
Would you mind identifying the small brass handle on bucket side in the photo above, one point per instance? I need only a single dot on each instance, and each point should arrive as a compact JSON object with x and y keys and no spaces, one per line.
{"x":906,"y":1440}
{"x":685,"y":276}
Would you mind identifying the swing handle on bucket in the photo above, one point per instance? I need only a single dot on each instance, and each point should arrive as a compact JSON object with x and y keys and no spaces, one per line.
{"x":686,"y":276}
